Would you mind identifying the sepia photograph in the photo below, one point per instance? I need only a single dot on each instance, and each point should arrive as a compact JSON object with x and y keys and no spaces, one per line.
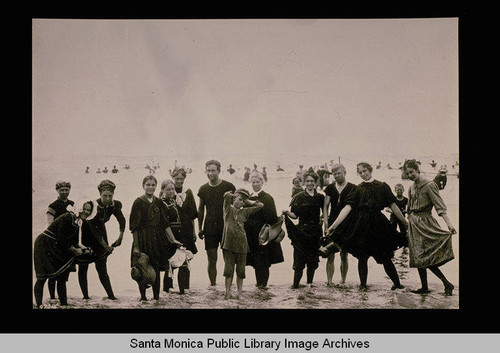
{"x":245,"y":164}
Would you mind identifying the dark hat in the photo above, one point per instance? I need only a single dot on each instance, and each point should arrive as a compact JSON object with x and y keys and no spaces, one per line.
{"x":106,"y":185}
{"x":63,"y":184}
{"x":242,"y":192}
{"x":142,"y":272}
{"x":327,"y":247}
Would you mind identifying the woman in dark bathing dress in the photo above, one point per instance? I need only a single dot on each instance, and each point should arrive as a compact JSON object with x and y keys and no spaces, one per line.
{"x":94,"y":236}
{"x":56,"y":249}
{"x":307,"y":207}
{"x":363,"y":230}
{"x":183,"y":234}
{"x":261,"y":256}
{"x":55,"y":209}
{"x":150,"y":228}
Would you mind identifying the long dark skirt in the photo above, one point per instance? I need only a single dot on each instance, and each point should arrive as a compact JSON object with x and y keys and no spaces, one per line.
{"x":366,"y":233}
{"x":50,"y":260}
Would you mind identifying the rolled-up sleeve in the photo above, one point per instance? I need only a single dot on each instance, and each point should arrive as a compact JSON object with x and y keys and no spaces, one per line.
{"x":436,"y":199}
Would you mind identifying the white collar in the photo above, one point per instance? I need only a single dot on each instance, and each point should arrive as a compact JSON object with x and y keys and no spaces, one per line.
{"x":256,"y":193}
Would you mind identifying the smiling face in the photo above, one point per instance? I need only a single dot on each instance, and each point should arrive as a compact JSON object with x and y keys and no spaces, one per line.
{"x":86,"y":211}
{"x":310,"y":183}
{"x":63,"y":193}
{"x":179,"y":180}
{"x":149,"y":187}
{"x":412,"y":173}
{"x":364,"y":172}
{"x":256,"y":183}
{"x":212,"y":172}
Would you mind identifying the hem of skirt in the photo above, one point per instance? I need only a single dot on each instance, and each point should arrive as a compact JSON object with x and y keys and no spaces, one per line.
{"x":438,"y":264}
{"x":61,"y":270}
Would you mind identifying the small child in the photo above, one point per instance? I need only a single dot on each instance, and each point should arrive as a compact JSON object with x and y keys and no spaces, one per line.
{"x":441,"y":178}
{"x":237,"y":208}
{"x":296,"y":186}
{"x":401,"y":202}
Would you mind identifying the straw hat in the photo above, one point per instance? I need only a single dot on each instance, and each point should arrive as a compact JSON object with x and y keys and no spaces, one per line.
{"x":142,"y":272}
{"x":274,"y":232}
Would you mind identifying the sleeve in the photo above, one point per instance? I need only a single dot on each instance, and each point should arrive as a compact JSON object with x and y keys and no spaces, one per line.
{"x":50,"y":210}
{"x":231,"y":187}
{"x":201,"y":194}
{"x":388,"y":196}
{"x":247,"y":211}
{"x":269,"y":210}
{"x":135,"y":216}
{"x":189,"y":205}
{"x":328,"y":190}
{"x":352,"y":197}
{"x":295,"y":204}
{"x":321,"y":201}
{"x":66,"y":232}
{"x":436,"y":199}
{"x":119,"y":215}
{"x":227,"y":200}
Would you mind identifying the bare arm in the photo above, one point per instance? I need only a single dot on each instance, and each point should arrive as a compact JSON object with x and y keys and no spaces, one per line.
{"x":448,"y":223}
{"x":171,"y":237}
{"x":397,"y":212}
{"x":50,"y":219}
{"x":135,"y":244}
{"x":201,"y":217}
{"x":325,"y":212}
{"x":290,"y":214}
{"x":118,"y":241}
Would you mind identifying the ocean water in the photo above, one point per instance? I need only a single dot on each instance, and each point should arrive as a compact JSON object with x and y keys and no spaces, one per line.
{"x":47,"y":170}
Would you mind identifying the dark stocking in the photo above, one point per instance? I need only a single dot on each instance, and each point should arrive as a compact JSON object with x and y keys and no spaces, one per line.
{"x":52,"y":288}
{"x":102,"y":271}
{"x":296,"y":278}
{"x":310,"y":275}
{"x":363,"y":271}
{"x":391,"y":271}
{"x":82,"y":280}
{"x":38,"y":291}
{"x":183,"y":278}
{"x":61,"y":291}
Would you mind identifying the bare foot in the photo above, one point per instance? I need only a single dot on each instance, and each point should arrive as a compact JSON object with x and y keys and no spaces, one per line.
{"x":448,"y":289}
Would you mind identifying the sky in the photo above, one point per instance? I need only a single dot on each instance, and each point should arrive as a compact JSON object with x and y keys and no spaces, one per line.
{"x":284,"y":86}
